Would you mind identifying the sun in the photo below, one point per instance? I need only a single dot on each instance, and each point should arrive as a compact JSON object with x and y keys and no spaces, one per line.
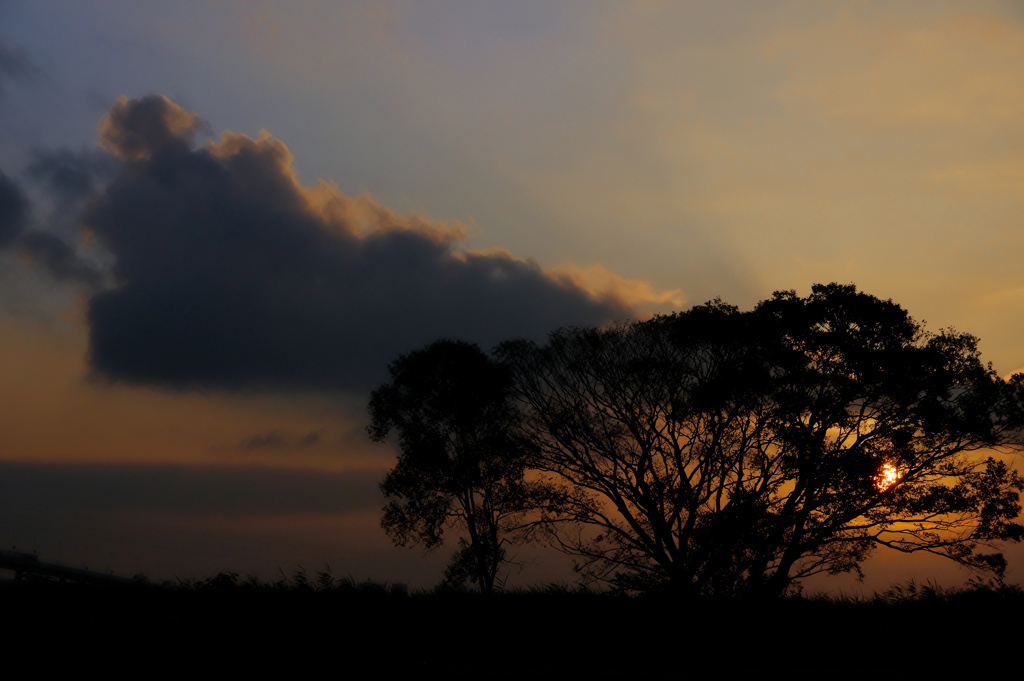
{"x":887,"y":477}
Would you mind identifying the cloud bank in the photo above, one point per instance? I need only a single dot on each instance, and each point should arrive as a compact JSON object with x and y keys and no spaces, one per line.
{"x":232,"y":275}
{"x":189,"y":490}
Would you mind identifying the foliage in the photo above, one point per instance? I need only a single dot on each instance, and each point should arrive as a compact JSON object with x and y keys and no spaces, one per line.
{"x":717,"y":452}
{"x":461,"y":461}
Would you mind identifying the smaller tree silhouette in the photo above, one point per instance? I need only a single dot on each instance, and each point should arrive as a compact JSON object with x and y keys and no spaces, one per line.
{"x":461,"y":463}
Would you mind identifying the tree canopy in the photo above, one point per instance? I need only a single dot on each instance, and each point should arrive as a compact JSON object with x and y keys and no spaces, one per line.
{"x":715,"y":451}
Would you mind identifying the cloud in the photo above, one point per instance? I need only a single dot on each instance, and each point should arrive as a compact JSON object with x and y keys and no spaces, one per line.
{"x":70,"y":177}
{"x":309,"y":439}
{"x":14,"y":210}
{"x":199,"y":490}
{"x":232,"y":275}
{"x":139,"y":129}
{"x":277,"y":439}
{"x":56,"y":242}
{"x":14,"y":64}
{"x":636,"y":293}
{"x":58,"y":258}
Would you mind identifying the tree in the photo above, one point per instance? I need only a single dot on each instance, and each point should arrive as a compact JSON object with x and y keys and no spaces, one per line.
{"x":717,"y":451}
{"x":461,"y":461}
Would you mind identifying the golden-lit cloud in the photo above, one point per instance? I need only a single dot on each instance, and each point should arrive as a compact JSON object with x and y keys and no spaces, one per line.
{"x":135,"y":130}
{"x":361,"y":215}
{"x":636,"y":294}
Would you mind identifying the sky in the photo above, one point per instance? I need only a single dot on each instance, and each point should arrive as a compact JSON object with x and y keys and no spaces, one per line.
{"x":220,"y":221}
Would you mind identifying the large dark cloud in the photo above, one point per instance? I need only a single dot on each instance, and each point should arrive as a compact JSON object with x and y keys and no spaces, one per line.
{"x":230,"y":274}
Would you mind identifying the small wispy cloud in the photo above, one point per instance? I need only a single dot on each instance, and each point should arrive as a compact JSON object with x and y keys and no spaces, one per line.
{"x":278,"y":440}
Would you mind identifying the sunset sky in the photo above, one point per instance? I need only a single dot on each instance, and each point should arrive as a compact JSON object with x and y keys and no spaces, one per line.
{"x":186,"y":364}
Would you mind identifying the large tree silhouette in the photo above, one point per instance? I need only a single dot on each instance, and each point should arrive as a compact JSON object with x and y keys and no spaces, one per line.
{"x":461,"y":459}
{"x":717,"y":451}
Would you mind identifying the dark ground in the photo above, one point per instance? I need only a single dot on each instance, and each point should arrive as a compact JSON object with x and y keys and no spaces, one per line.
{"x":344,"y":630}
